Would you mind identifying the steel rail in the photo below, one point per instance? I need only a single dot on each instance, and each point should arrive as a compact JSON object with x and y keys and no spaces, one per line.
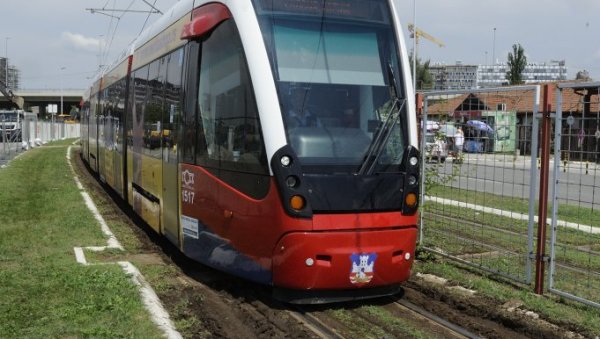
{"x":441,"y":321}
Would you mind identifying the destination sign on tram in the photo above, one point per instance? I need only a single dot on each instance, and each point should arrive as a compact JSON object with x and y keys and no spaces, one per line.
{"x":331,"y":8}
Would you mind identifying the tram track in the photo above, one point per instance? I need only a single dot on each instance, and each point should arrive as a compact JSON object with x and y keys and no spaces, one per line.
{"x":460,"y":331}
{"x":331,"y":322}
{"x":315,"y":324}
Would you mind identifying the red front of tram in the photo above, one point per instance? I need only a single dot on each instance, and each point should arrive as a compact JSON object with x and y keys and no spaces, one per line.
{"x":317,"y":195}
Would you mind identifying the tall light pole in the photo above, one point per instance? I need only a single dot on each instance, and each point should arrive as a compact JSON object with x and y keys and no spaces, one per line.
{"x":100,"y":51}
{"x":61,"y":89}
{"x":6,"y":63}
{"x":494,"y":48}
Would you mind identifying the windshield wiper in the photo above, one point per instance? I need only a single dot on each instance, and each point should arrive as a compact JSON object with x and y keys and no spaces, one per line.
{"x":383,"y":135}
{"x":380,"y":141}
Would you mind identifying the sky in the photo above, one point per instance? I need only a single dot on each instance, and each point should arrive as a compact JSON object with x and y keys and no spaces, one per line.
{"x":60,"y":44}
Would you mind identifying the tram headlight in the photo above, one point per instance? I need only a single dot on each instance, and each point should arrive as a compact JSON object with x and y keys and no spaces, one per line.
{"x":297,"y":202}
{"x":286,"y":161}
{"x":412,"y":180}
{"x":291,"y":181}
{"x":413,"y":161}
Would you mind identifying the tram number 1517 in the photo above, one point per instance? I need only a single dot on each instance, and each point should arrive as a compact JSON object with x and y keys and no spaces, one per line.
{"x":188,"y":197}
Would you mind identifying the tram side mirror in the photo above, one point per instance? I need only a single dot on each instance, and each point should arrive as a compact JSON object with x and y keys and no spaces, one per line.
{"x":373,"y":125}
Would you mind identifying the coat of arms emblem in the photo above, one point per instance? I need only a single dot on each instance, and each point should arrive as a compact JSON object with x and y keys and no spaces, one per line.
{"x":362,"y":267}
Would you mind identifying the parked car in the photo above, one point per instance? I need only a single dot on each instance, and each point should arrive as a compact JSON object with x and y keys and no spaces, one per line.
{"x":436,"y":147}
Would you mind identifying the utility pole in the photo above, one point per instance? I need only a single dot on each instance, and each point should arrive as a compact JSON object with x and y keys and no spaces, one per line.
{"x":494,"y":48}
{"x":100,"y":52}
{"x":61,"y":89}
{"x":6,"y":64}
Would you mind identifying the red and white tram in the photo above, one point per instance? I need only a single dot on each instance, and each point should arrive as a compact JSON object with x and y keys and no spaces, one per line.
{"x":271,"y":139}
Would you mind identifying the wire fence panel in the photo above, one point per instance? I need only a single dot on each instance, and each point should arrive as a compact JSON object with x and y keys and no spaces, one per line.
{"x":479,"y":177}
{"x":10,"y":143}
{"x":575,"y":242}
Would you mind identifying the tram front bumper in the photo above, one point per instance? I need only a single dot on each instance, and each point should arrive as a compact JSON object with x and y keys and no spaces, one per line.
{"x":344,"y":259}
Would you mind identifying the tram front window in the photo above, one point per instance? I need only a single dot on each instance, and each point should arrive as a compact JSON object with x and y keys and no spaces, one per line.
{"x":333,"y":64}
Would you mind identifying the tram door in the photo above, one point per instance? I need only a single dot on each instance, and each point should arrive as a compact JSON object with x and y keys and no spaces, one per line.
{"x":170,"y":125}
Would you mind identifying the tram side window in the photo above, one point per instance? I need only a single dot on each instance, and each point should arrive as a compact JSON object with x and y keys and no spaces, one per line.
{"x":102,"y":110}
{"x":189,"y":126}
{"x":135,"y":117}
{"x":153,"y":110}
{"x":93,"y":119}
{"x":229,"y":128}
{"x":172,"y":113}
{"x":119,"y":109}
{"x":107,"y":110}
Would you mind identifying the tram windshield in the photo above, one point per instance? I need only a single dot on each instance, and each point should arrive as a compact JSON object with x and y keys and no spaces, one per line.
{"x":336,"y":68}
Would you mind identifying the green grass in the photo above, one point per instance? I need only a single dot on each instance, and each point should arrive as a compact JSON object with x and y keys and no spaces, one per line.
{"x":358,"y":327}
{"x":477,"y":228}
{"x":45,"y":292}
{"x":400,"y":327}
{"x":65,"y":142}
{"x":566,"y":212}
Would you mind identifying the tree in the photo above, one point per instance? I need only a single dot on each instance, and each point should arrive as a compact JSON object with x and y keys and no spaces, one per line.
{"x":516,"y":65}
{"x":424,"y":78}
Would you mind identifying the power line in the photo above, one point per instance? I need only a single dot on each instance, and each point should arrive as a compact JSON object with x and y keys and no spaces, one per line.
{"x":102,"y":10}
{"x":148,"y":17}
{"x":111,"y":32}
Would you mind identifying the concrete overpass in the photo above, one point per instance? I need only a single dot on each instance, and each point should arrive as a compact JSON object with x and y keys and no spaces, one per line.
{"x":37,"y":100}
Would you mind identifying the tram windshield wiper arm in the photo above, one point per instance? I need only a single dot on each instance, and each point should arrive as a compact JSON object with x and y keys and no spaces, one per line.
{"x":381,"y":139}
{"x":382,"y":136}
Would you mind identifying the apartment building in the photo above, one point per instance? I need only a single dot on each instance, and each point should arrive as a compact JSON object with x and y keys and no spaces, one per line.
{"x":13,"y":78}
{"x":460,"y":76}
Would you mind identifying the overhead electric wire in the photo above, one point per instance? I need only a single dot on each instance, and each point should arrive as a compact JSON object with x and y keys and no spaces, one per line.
{"x":148,"y":17}
{"x":112,"y":31}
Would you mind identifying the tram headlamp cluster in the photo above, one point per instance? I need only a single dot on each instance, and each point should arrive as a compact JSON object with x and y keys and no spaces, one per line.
{"x":411,"y":181}
{"x":292,"y":185}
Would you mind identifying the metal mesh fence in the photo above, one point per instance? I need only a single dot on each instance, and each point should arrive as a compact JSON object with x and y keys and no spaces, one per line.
{"x":478,"y":199}
{"x":10,"y":142}
{"x":575,"y":243}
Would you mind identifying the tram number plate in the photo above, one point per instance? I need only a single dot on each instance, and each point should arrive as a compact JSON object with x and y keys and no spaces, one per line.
{"x":188,"y":197}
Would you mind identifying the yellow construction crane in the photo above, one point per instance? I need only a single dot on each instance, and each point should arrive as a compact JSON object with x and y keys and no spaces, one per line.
{"x":417,"y":33}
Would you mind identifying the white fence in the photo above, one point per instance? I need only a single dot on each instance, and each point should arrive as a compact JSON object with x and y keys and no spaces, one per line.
{"x":35,"y":133}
